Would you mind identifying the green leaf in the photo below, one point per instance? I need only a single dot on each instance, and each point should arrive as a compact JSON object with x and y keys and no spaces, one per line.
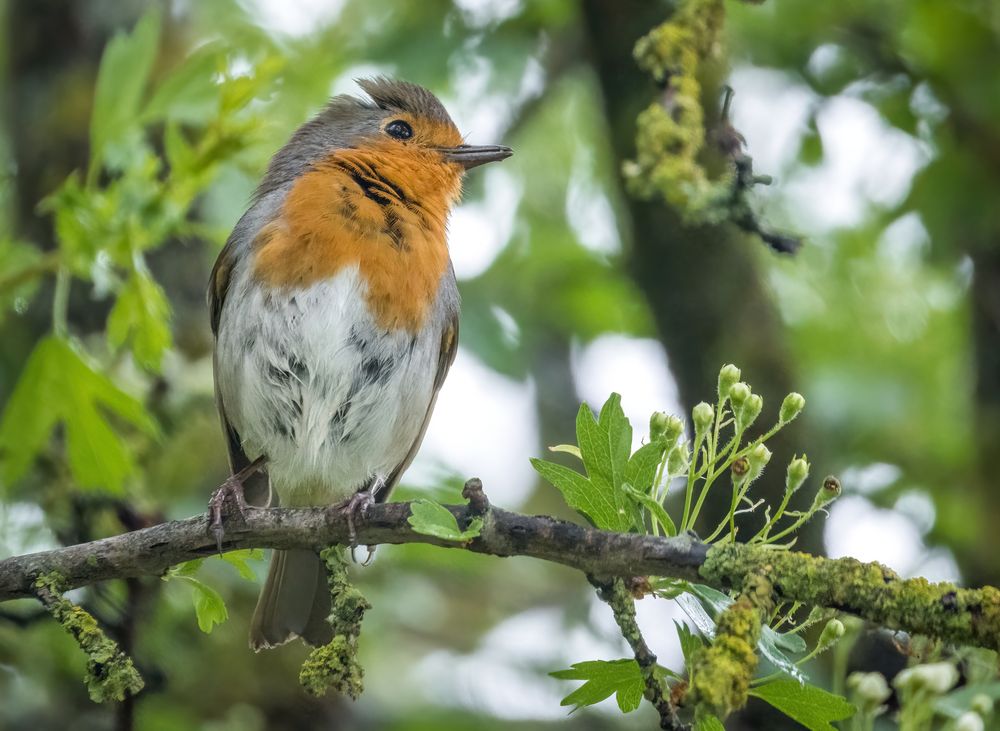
{"x":238,"y":559}
{"x":121,"y":80}
{"x":579,"y":493}
{"x":641,"y":469}
{"x":141,"y":316}
{"x":813,"y":707}
{"x":603,"y":678}
{"x":959,"y":701}
{"x":605,"y":444}
{"x":57,"y":386}
{"x":703,"y":604}
{"x":707,"y":722}
{"x":690,"y":641}
{"x":190,"y":93}
{"x":209,"y":606}
{"x":654,"y":507}
{"x":432,"y":519}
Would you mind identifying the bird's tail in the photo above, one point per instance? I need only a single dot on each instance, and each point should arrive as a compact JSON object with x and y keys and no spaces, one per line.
{"x":294,"y":602}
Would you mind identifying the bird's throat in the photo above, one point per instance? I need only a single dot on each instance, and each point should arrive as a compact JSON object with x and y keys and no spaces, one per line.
{"x":371,"y":209}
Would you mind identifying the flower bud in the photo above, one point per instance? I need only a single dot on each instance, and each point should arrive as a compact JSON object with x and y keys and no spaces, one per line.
{"x":677,"y":461}
{"x":728,"y":377}
{"x":870,"y":689}
{"x":749,"y":411}
{"x":936,"y":677}
{"x":673,"y":428}
{"x":982,"y":704}
{"x":969,"y":721}
{"x":832,"y":632}
{"x":827,"y":493}
{"x":758,"y":458}
{"x":790,"y":407}
{"x":703,"y":415}
{"x":738,"y":393}
{"x":798,"y":471}
{"x":657,"y":425}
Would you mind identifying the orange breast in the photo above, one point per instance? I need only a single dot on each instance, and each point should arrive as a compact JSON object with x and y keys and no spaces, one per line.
{"x":377,"y":208}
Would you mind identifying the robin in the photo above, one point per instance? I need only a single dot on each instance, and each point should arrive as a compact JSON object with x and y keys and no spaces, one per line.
{"x":335,"y":314}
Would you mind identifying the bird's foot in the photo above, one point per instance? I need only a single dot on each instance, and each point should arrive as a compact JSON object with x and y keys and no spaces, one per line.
{"x":231,"y":489}
{"x":353,"y":508}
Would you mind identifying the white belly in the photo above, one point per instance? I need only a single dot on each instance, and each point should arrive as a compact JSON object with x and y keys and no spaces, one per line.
{"x":308,"y":380}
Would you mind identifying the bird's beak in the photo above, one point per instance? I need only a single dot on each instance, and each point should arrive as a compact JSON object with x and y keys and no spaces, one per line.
{"x":470,"y":156}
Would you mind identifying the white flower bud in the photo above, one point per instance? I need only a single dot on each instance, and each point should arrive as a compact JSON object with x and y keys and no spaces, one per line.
{"x":832,"y":632}
{"x":738,"y":393}
{"x":937,"y":677}
{"x":728,"y":377}
{"x":749,"y":411}
{"x":702,"y":415}
{"x":969,"y":721}
{"x":870,"y":689}
{"x":798,"y":471}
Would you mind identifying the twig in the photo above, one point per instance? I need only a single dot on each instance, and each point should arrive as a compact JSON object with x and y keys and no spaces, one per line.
{"x":619,"y":598}
{"x":871,"y":591}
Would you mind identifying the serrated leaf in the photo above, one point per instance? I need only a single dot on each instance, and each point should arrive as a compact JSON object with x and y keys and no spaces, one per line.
{"x":641,"y":469}
{"x":654,"y":507}
{"x":813,"y":707}
{"x":57,"y":386}
{"x":141,"y":316}
{"x":579,"y":493}
{"x":604,"y":677}
{"x":121,"y":80}
{"x":238,"y":559}
{"x":716,"y":602}
{"x":568,"y":449}
{"x":689,"y":640}
{"x":432,"y":519}
{"x":209,"y":606}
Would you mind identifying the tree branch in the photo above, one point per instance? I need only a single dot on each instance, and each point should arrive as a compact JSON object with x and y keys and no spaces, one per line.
{"x":871,"y":591}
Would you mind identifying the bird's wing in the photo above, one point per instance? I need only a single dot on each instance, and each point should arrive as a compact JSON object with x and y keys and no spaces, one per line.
{"x":449,"y":347}
{"x":257,"y":487}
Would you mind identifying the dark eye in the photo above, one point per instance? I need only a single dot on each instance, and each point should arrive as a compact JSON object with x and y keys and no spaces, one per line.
{"x":399,"y":129}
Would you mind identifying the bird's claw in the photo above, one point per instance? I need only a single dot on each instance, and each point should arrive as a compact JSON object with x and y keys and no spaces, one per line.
{"x":232,"y":488}
{"x":354,"y":507}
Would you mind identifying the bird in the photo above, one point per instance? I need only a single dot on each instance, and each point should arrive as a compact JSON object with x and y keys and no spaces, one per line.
{"x":335,"y":312}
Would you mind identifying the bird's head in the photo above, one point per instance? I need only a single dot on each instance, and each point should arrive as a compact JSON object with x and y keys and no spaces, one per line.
{"x":402,"y":132}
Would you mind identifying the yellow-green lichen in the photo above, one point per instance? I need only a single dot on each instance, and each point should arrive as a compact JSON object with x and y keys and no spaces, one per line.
{"x":869,"y":590}
{"x":110,"y":672}
{"x":335,"y":665}
{"x":721,"y":672}
{"x":671,"y":132}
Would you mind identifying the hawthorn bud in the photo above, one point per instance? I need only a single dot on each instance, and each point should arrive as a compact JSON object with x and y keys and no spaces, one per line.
{"x":728,"y":377}
{"x":798,"y":471}
{"x":758,"y":458}
{"x":749,"y":411}
{"x":832,"y":632}
{"x":969,"y":721}
{"x":870,"y":689}
{"x":702,"y":415}
{"x":673,"y":428}
{"x":738,"y":393}
{"x":982,"y":704}
{"x":827,"y":493}
{"x":936,"y":677}
{"x":677,"y":461}
{"x":791,"y":407}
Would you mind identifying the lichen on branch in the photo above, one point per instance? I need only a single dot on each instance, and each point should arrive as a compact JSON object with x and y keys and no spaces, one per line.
{"x":335,"y":664}
{"x":721,"y":672}
{"x":110,"y":672}
{"x":869,"y":590}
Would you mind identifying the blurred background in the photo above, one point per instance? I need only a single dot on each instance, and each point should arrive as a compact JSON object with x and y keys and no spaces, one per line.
{"x":880,"y":122}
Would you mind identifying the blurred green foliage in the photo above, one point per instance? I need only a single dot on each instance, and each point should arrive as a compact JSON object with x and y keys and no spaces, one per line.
{"x":889,"y":316}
